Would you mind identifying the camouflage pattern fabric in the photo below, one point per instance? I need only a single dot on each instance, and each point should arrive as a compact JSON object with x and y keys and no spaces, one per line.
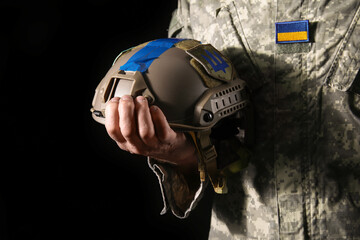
{"x":303,"y":181}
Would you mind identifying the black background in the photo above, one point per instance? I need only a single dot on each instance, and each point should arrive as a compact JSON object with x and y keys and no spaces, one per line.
{"x":61,"y":175}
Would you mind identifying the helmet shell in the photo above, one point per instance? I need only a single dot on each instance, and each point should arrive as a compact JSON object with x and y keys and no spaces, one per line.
{"x":192,"y":83}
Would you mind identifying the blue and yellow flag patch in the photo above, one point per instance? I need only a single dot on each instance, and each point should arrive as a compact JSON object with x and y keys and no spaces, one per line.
{"x":292,"y":32}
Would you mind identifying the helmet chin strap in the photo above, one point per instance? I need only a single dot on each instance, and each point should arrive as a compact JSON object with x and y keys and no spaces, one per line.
{"x":207,"y":161}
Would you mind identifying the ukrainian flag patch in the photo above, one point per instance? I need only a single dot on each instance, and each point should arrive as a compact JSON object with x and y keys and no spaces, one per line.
{"x":292,"y":32}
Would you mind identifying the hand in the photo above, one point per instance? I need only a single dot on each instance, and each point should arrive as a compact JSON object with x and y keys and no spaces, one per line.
{"x":140,"y":129}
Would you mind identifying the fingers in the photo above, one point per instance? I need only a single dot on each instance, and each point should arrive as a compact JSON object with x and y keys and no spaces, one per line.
{"x":129,"y":123}
{"x":138,"y":129}
{"x":112,"y":120}
{"x":128,"y":126}
{"x":163,"y":131}
{"x":126,"y":117}
{"x":145,"y":124}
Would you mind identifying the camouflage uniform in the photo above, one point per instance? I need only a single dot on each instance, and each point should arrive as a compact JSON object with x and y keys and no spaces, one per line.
{"x":304,"y":178}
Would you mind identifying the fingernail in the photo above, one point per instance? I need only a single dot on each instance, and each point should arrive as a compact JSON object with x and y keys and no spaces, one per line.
{"x":115,"y":99}
{"x":126,"y":98}
{"x":140,"y":99}
{"x":153,"y":108}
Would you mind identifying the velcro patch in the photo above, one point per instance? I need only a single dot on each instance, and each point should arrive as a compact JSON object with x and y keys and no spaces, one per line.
{"x":292,"y":32}
{"x":215,"y":64}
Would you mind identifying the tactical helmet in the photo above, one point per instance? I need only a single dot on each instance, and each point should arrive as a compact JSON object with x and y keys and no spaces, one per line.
{"x":192,"y":83}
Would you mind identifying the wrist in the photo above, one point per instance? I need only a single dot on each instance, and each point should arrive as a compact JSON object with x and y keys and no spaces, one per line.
{"x":182,"y":154}
{"x":187,"y":164}
{"x":185,"y":156}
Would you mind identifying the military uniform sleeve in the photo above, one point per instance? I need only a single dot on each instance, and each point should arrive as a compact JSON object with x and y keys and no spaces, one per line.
{"x":343,"y":74}
{"x":180,"y":26}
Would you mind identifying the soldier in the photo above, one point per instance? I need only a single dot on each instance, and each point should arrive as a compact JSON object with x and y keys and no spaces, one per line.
{"x":300,"y":60}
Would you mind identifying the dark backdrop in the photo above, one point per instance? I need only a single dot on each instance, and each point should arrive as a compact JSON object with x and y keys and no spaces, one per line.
{"x":61,"y":175}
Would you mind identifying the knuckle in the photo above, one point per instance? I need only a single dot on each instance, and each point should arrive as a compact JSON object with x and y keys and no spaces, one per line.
{"x":126,"y":108}
{"x":127,"y":105}
{"x":122,"y":146}
{"x":111,"y":129}
{"x":126,"y":101}
{"x":145,"y":133}
{"x":138,"y":150}
{"x":164,"y":136}
{"x":127,"y":132}
{"x":113,"y":103}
